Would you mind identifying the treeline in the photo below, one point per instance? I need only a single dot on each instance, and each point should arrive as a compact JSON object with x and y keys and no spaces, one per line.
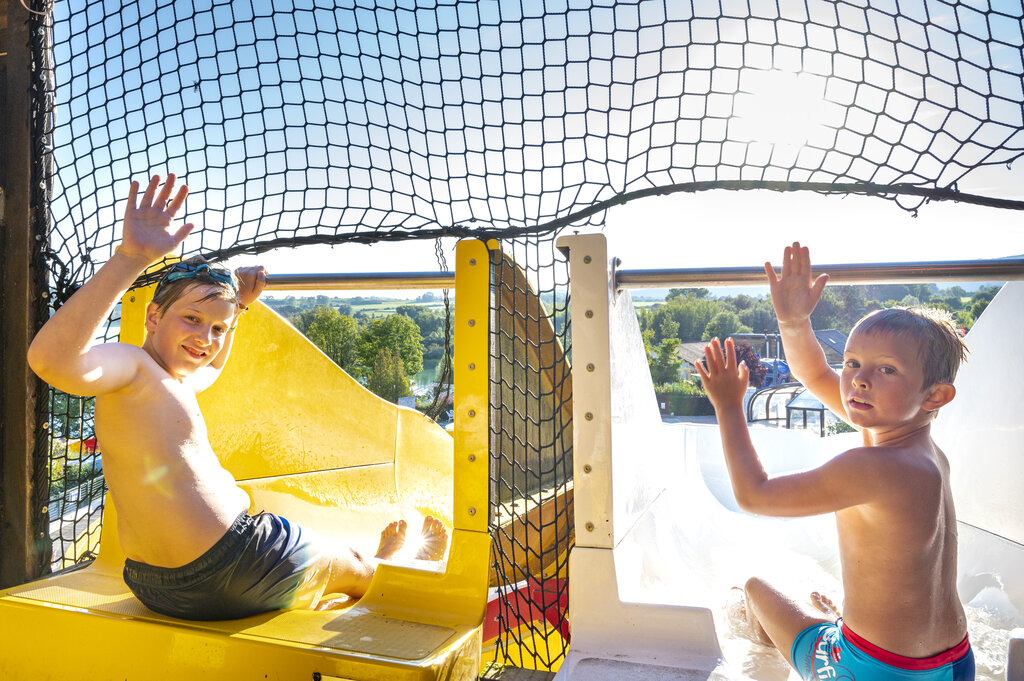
{"x":692,"y":315}
{"x":383,"y":350}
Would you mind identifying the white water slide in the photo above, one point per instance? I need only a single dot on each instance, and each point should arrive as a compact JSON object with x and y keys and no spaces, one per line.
{"x":660,"y":540}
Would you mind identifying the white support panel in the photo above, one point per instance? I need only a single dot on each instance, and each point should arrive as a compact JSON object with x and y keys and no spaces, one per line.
{"x":626,"y":641}
{"x":624,"y":460}
{"x":591,"y":380}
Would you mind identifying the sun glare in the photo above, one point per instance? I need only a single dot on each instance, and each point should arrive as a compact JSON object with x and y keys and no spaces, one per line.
{"x":778,"y":107}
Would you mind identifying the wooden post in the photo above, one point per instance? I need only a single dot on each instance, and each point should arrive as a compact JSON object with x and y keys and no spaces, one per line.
{"x":24,"y":539}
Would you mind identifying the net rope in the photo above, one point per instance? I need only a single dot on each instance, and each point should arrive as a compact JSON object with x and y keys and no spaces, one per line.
{"x":317,"y":122}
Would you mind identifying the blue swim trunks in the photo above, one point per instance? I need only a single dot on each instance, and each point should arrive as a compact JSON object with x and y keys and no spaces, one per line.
{"x":832,"y":651}
{"x":261,"y":563}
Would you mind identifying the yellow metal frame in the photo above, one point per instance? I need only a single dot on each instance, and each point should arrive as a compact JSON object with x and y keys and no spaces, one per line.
{"x":472,"y":385}
{"x":412,"y":623}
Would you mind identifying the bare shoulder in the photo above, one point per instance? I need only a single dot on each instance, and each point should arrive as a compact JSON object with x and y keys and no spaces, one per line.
{"x":891,"y":460}
{"x":896,"y":472}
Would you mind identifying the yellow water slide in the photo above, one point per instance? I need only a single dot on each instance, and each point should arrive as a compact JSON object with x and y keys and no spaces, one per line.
{"x":308,"y":442}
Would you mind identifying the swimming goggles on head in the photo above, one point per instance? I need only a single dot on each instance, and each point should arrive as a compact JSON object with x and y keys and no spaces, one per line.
{"x":184,"y":270}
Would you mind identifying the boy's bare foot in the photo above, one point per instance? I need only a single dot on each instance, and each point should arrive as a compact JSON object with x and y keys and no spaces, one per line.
{"x":392,"y":539}
{"x":434,"y":540}
{"x":825,"y":604}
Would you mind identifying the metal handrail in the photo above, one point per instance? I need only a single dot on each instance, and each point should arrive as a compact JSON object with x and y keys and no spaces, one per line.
{"x":374,"y":281}
{"x":1003,"y":269}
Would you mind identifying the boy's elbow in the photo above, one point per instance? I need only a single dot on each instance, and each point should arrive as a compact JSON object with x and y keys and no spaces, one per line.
{"x":39,"y":360}
{"x":745,"y":503}
{"x":752,"y":500}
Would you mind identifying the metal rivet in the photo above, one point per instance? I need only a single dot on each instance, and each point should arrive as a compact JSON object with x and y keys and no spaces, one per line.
{"x":472,"y":413}
{"x":472,"y":458}
{"x":38,"y":238}
{"x":587,"y":468}
{"x":589,"y":416}
{"x":590,"y":366}
{"x":590,"y":527}
{"x":46,"y":426}
{"x":46,"y":509}
{"x":588,"y":314}
{"x":472,"y":261}
{"x":472,"y":511}
{"x":42,"y":534}
{"x":472,"y":366}
{"x":132,"y":299}
{"x":586,"y":260}
{"x":472,"y":322}
{"x":45,"y":295}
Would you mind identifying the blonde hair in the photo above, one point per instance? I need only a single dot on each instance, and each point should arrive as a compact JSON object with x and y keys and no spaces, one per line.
{"x":168,"y":292}
{"x":933,"y":329}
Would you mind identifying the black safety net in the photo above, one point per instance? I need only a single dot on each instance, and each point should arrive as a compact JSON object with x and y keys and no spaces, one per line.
{"x":323,"y":122}
{"x":531,"y":466}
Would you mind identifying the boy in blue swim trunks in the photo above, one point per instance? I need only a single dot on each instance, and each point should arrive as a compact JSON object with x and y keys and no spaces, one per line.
{"x":193,"y":551}
{"x":902,"y":617}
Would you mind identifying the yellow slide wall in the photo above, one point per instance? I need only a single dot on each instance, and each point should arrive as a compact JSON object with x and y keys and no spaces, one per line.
{"x":306,"y":441}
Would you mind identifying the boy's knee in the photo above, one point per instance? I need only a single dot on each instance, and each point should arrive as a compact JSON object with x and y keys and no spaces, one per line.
{"x":755,"y":585}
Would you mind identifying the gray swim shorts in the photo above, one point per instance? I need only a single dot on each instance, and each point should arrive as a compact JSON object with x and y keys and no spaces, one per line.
{"x":261,"y":563}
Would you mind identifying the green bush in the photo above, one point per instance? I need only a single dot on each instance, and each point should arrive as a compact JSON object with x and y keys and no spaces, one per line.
{"x":65,"y":476}
{"x":680,"y":388}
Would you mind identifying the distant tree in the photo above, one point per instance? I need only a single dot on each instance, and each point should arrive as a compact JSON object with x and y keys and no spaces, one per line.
{"x":336,"y":334}
{"x":964,"y":319}
{"x":922,"y":292}
{"x":828,"y":311}
{"x":956,"y":291}
{"x":977,"y":307}
{"x":647,"y":334}
{"x":669,"y":330}
{"x":666,"y":366}
{"x":687,"y":293}
{"x":746,"y":353}
{"x":951,"y":303}
{"x":743,"y":301}
{"x":760,"y":317}
{"x":691,"y":313}
{"x":397,"y":332}
{"x":724,"y":324}
{"x":426,"y":319}
{"x":986,"y":294}
{"x":387,"y":377}
{"x":853,"y":305}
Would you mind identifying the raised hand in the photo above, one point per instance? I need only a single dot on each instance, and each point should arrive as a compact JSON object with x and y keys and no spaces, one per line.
{"x":724,"y":381}
{"x":251,"y":282}
{"x":794,"y":295}
{"x":147,"y":222}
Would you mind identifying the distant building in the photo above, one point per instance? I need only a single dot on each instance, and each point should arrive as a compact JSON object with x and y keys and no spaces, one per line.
{"x":833,"y":343}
